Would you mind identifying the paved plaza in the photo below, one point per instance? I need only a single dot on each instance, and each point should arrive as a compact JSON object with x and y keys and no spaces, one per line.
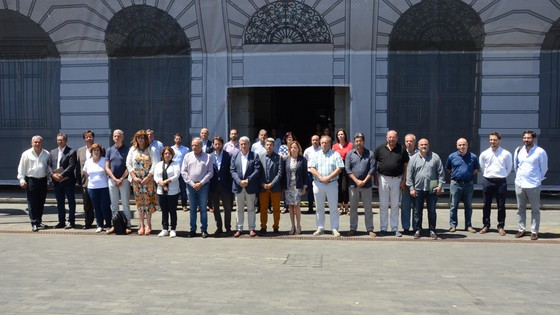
{"x":80,"y":272}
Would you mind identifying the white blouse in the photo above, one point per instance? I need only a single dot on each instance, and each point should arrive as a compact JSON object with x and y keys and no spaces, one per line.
{"x":173,"y":173}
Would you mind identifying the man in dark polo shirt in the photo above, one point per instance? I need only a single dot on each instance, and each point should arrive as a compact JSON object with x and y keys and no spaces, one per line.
{"x":360,"y":167}
{"x":391,"y":161}
{"x":463,"y":166}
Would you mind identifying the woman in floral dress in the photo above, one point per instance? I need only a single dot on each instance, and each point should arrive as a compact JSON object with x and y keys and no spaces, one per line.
{"x":140,"y":161}
{"x":295,"y":183}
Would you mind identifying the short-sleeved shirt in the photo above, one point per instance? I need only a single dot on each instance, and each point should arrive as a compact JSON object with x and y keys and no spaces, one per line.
{"x":391,"y":162}
{"x":96,"y":174}
{"x":326,"y":163}
{"x":360,"y":166}
{"x":462,"y":166}
{"x":117,"y":159}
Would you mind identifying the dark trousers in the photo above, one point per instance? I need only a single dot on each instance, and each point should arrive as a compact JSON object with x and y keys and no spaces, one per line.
{"x":310,"y":196}
{"x":168,"y":204}
{"x":226,"y":196}
{"x":36,"y":195}
{"x":183,"y":189}
{"x":343,"y":194}
{"x":64,"y":191}
{"x":431,"y":200}
{"x":88,"y":207}
{"x":490,"y":188}
{"x":102,"y":206}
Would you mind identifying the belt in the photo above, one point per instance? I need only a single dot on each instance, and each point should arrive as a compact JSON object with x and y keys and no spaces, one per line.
{"x":35,"y":178}
{"x":495,"y":179}
{"x":462,"y":182}
{"x":393,"y":177}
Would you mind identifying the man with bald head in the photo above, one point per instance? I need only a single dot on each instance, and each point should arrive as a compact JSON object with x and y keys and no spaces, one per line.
{"x":463,"y":166}
{"x":391,"y":160}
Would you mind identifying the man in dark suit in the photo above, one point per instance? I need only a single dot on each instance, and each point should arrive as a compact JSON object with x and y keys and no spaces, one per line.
{"x":62,"y":163}
{"x":206,"y":143}
{"x":270,"y":185}
{"x":220,"y":186}
{"x":82,"y":181}
{"x":245,"y":172}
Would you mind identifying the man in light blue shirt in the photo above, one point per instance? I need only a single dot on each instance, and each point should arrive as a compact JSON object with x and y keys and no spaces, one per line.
{"x":530,"y":163}
{"x":180,"y":152}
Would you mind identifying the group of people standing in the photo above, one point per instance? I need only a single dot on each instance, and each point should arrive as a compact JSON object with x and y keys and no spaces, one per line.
{"x":260,"y":174}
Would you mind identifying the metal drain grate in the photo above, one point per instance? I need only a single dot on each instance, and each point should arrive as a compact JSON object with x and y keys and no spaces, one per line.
{"x":304,"y":260}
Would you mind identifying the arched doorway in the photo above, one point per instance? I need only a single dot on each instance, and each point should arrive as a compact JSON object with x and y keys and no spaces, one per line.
{"x":549,"y":100}
{"x":29,"y":88}
{"x":149,"y":73}
{"x":433,"y":74}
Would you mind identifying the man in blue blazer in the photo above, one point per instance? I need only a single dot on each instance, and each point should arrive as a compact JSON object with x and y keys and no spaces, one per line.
{"x":271,"y":185}
{"x":62,"y":163}
{"x":245,"y":171}
{"x":220,"y":186}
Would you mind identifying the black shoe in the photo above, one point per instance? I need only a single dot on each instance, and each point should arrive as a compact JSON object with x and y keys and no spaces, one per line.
{"x":262,"y":232}
{"x":276,"y":231}
{"x":34,"y":228}
{"x":204,"y":234}
{"x":382,"y":233}
{"x":191,"y":234}
{"x":87,"y":226}
{"x":70,"y":226}
{"x":310,"y":211}
{"x":42,"y":226}
{"x":60,"y":225}
{"x":406,"y":232}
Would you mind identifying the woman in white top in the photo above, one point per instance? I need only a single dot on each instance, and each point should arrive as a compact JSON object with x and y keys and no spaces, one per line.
{"x":140,"y":162}
{"x":166,"y":175}
{"x":98,"y":188}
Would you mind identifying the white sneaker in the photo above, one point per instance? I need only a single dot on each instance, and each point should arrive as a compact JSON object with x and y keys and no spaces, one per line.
{"x":319,"y":232}
{"x":163,"y":233}
{"x":99,"y":230}
{"x":172,"y":233}
{"x":335,"y":233}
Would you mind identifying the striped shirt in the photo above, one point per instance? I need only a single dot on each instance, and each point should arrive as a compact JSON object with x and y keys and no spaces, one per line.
{"x":326,"y":163}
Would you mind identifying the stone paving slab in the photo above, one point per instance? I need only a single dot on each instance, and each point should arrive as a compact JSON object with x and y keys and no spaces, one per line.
{"x":45,"y":273}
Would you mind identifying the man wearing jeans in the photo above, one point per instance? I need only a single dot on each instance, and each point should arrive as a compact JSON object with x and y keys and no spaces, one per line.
{"x":119,"y":185}
{"x":360,"y":167}
{"x":463,"y":166}
{"x":407,"y":204}
{"x":391,"y":161}
{"x":197,"y":170}
{"x":325,"y":166}
{"x":425,"y":178}
{"x":531,"y":164}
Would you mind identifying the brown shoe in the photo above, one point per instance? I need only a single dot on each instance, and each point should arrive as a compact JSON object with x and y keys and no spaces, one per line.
{"x":352,"y":233}
{"x":520,"y":234}
{"x":372,"y":234}
{"x":534,"y":236}
{"x":484,"y":230}
{"x":470,"y":229}
{"x":502,"y":232}
{"x":452,"y":229}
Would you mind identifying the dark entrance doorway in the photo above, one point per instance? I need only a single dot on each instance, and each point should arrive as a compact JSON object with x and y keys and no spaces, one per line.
{"x":302,"y":110}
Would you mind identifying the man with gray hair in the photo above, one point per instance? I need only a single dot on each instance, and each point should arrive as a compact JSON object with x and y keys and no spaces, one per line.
{"x":197,"y":170}
{"x":245,"y":171}
{"x":119,"y":185}
{"x":33,"y":170}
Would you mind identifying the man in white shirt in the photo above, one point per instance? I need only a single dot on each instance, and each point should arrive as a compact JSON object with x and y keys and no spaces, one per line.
{"x":33,"y":170}
{"x":153,"y":142}
{"x":496,"y":165}
{"x":531,"y":164}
